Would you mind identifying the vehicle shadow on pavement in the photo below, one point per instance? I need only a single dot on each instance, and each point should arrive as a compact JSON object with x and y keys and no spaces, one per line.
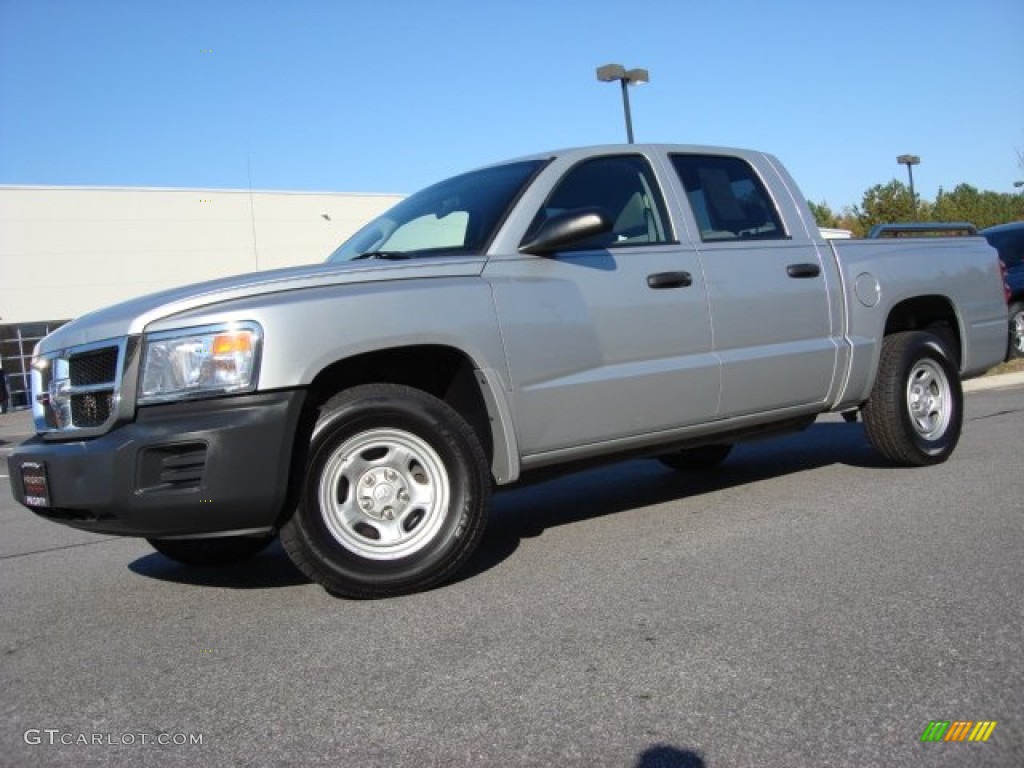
{"x":667,"y":756}
{"x":269,"y":569}
{"x":527,"y":511}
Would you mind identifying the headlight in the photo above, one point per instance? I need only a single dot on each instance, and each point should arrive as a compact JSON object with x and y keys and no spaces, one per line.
{"x":200,"y":362}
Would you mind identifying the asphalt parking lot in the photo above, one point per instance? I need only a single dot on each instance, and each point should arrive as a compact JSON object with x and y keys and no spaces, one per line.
{"x":804,"y":605}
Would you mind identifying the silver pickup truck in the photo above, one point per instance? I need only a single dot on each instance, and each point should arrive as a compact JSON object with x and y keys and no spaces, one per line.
{"x":576,"y":305}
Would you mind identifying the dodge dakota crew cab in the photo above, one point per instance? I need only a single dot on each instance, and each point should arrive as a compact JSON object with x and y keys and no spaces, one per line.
{"x":574,"y":305}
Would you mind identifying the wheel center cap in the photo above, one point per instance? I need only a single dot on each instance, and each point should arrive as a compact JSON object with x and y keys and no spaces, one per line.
{"x":383,"y":493}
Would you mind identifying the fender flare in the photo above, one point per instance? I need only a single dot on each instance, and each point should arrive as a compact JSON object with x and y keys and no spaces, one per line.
{"x":505,"y":465}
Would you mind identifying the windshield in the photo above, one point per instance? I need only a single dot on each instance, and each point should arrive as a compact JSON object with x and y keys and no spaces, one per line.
{"x":458,"y":215}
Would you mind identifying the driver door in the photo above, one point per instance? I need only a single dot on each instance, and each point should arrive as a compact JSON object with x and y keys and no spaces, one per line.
{"x":610,"y":339}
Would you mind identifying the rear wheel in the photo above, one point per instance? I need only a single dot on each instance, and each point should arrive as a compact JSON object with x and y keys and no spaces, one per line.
{"x":220,"y":550}
{"x":395,"y":495}
{"x":915,"y":412}
{"x":1016,"y":347}
{"x":696,"y":459}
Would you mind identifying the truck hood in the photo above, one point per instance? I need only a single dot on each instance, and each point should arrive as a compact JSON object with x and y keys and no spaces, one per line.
{"x":132,"y":317}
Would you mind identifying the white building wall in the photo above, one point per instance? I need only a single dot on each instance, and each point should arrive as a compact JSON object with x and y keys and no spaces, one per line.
{"x":65,"y":251}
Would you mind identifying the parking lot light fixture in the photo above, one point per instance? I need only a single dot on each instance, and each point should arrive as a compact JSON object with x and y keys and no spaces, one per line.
{"x":910,"y":161}
{"x":626,"y":77}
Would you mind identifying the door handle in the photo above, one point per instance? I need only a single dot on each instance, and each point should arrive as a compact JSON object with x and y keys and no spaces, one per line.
{"x":803,"y":270}
{"x":669,"y":280}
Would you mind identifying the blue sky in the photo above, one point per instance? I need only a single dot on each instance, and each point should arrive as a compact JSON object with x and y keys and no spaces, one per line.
{"x":391,"y":95}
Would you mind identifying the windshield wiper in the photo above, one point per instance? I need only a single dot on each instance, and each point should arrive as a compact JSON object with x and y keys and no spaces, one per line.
{"x":385,"y":255}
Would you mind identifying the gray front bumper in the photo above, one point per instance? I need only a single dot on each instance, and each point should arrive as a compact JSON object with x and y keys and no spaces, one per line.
{"x":186,"y":468}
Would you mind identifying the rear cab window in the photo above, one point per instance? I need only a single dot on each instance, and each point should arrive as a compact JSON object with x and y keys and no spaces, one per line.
{"x":728,"y":199}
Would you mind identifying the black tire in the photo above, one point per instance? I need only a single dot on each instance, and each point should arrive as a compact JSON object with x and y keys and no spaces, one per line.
{"x":1016,"y":346}
{"x":221,"y":550}
{"x":696,"y":459}
{"x":395,"y":496}
{"x":915,"y":412}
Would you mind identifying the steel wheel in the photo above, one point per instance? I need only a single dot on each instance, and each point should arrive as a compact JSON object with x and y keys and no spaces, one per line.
{"x":929,"y":399}
{"x":394,"y":494}
{"x":384,"y":494}
{"x":1016,"y":331}
{"x":915,"y":411}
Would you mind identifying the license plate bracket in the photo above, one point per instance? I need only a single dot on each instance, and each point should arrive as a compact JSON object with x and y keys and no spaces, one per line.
{"x":35,"y":483}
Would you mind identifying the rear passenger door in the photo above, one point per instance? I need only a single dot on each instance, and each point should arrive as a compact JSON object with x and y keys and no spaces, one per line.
{"x":769,"y":303}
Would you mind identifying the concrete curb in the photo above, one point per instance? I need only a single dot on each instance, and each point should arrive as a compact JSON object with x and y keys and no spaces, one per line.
{"x":999,"y":381}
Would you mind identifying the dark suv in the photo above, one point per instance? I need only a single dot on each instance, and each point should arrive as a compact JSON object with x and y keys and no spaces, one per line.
{"x":1008,"y":239}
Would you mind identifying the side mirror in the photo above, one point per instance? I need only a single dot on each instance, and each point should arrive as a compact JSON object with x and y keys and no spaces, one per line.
{"x":565,"y":229}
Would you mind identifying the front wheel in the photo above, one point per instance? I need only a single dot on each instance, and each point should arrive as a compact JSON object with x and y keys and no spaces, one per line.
{"x":1016,"y":347}
{"x":395,"y":494}
{"x":915,"y":412}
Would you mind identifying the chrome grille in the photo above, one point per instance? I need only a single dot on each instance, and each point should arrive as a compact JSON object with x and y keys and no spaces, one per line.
{"x":95,"y":367}
{"x":91,"y":409}
{"x":77,"y":390}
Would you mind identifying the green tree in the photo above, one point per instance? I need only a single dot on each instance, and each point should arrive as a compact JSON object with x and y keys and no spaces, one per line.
{"x":981,"y":208}
{"x":848,"y":220}
{"x":886,"y":204}
{"x":959,"y":205}
{"x":823,"y":215}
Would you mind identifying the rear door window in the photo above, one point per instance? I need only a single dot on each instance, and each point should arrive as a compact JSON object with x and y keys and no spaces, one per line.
{"x":728,"y":199}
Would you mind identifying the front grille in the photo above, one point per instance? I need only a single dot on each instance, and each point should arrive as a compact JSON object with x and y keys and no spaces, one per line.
{"x":97,"y":366}
{"x":76,"y":390}
{"x":91,"y":409}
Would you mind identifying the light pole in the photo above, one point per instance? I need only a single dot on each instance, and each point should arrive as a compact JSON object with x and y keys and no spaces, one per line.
{"x":626,"y":77}
{"x":910,"y":161}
